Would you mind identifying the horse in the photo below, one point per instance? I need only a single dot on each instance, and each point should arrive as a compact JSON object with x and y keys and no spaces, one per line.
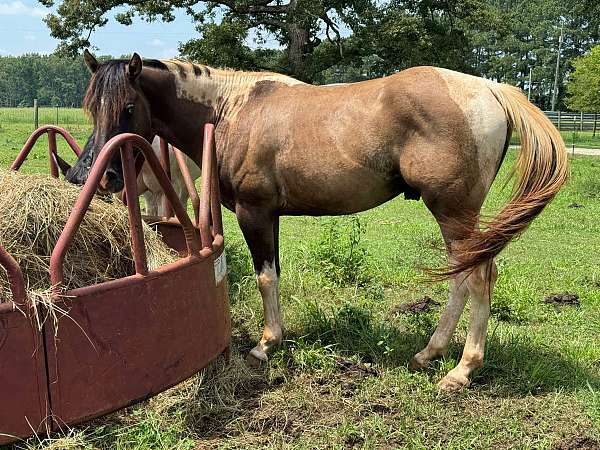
{"x":285,"y":147}
{"x":147,"y":184}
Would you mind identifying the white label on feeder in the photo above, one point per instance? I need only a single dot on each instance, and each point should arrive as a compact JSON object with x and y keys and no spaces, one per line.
{"x":220,"y":268}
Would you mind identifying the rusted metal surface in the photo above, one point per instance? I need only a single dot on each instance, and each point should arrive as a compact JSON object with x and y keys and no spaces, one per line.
{"x":215,"y":194}
{"x":135,"y":217}
{"x":23,"y":385}
{"x":123,"y":340}
{"x":136,"y":338}
{"x":89,"y":189}
{"x":15,"y":277}
{"x":51,"y":130}
{"x":170,"y":232}
{"x":189,"y":183}
{"x":205,"y":215}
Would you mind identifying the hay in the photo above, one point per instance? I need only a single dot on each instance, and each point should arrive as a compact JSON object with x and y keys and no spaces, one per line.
{"x":33,"y":213}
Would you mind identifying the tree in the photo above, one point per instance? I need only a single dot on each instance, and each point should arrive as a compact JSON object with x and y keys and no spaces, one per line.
{"x":315,"y":35}
{"x":294,"y":24}
{"x":223,"y":45}
{"x":584,"y":84}
{"x":530,"y":41}
{"x":347,"y":40}
{"x":52,"y":80}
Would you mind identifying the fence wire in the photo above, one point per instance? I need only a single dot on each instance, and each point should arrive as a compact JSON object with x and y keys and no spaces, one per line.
{"x":61,"y":116}
{"x":45,"y":116}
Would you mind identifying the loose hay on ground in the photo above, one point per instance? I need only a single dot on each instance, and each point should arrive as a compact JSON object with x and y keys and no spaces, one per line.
{"x":33,"y":213}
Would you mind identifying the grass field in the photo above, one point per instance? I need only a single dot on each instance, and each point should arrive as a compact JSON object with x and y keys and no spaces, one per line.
{"x":579,"y":139}
{"x":74,"y":118}
{"x":341,"y":380}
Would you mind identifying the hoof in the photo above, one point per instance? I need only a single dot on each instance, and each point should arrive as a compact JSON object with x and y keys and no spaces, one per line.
{"x":450,"y":384}
{"x":417,"y":364}
{"x":256,"y":358}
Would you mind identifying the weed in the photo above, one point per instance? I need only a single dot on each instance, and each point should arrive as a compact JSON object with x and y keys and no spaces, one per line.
{"x":240,"y":272}
{"x":340,"y":253}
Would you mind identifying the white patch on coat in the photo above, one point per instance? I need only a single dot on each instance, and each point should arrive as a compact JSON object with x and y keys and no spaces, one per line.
{"x":268,"y":284}
{"x":214,"y":89}
{"x":485,"y":116}
{"x":154,"y":197}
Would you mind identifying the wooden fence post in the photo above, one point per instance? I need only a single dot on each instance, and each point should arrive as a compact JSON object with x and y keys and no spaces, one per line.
{"x":581,"y":122}
{"x":559,"y":120}
{"x":36,"y":122}
{"x":595,"y":121}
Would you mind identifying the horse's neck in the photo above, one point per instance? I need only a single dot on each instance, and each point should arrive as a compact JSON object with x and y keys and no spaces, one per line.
{"x":223,"y":91}
{"x":200,"y":95}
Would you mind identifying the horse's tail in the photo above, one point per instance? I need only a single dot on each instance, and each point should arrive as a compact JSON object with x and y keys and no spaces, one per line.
{"x":541,"y":169}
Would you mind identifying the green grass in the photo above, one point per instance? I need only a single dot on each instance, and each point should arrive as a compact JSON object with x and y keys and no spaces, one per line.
{"x":75,"y":118}
{"x":580,"y":139}
{"x":583,"y":139}
{"x":539,"y":386}
{"x":12,"y":138}
{"x":46,"y":115}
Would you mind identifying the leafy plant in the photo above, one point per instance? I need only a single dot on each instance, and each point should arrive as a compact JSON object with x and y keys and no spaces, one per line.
{"x":340,"y":252}
{"x":239,"y":269}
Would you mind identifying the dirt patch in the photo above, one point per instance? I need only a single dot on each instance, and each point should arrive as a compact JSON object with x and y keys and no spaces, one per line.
{"x":566,"y":298}
{"x":352,"y":368}
{"x":577,"y":443}
{"x":351,"y":375}
{"x":575,"y":205}
{"x":420,"y":306}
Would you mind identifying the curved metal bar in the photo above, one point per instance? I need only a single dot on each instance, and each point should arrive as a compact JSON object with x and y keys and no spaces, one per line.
{"x":52,"y":152}
{"x":89,"y":189}
{"x":215,"y":197}
{"x":189,"y":183}
{"x":135,"y":217}
{"x":205,"y":206}
{"x":52,"y":131}
{"x":15,"y":277}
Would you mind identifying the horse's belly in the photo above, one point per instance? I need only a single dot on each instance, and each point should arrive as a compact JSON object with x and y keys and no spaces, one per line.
{"x":337,"y":193}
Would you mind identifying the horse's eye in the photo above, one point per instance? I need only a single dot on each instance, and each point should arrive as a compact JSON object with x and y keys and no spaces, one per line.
{"x":130,"y":109}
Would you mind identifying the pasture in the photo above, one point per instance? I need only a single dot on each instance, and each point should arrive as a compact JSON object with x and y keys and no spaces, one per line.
{"x":349,"y":287}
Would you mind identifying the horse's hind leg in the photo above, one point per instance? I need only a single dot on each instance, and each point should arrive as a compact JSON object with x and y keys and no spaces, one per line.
{"x":260,"y":230}
{"x":480,"y":284}
{"x":449,"y":319}
{"x":456,"y":219}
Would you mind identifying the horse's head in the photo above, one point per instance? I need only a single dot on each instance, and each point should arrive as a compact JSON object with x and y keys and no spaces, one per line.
{"x":78,"y":173}
{"x":117,"y":105}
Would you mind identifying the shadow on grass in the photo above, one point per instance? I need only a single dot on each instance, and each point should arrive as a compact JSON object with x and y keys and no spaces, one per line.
{"x":516,"y":367}
{"x":513,"y":365}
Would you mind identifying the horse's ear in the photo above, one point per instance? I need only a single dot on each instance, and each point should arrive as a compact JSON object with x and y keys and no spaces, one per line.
{"x":62,"y":164}
{"x":135,"y":66}
{"x":90,"y":61}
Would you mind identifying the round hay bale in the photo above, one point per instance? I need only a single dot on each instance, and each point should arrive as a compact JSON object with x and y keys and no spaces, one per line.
{"x":33,"y":211}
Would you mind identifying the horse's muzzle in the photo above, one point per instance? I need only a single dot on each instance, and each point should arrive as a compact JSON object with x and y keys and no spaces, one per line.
{"x":112,"y":181}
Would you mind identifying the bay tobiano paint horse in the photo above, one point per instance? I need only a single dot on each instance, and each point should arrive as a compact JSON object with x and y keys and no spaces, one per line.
{"x":289,"y":148}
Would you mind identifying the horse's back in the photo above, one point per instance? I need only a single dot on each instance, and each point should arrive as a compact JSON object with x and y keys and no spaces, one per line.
{"x":359,"y":144}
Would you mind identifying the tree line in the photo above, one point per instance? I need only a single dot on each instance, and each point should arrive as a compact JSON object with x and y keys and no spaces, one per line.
{"x":326,"y":41}
{"x":53,"y":80}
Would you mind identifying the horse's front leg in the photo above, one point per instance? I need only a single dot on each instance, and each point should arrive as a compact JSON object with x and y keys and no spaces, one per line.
{"x":261,"y":230}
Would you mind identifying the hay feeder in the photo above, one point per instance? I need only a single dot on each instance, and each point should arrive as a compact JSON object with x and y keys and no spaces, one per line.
{"x":120,"y":341}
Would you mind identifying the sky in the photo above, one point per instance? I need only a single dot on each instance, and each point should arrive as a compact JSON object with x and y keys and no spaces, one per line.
{"x":22,"y":30}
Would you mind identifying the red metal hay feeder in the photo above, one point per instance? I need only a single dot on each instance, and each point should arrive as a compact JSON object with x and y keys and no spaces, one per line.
{"x":123,"y":340}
